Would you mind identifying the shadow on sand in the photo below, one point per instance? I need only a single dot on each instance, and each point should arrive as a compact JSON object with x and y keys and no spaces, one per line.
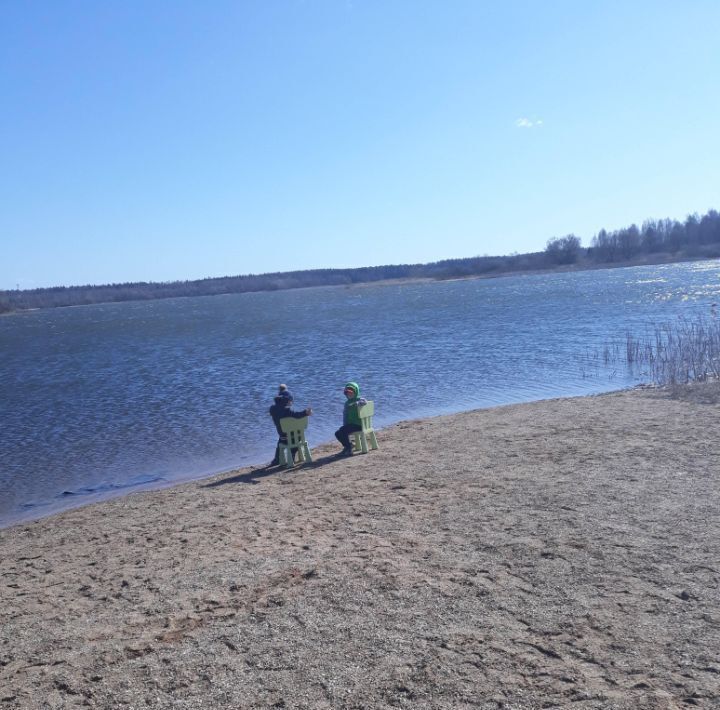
{"x":257,"y":474}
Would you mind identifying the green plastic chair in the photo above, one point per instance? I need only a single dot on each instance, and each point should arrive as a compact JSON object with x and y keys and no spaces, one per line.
{"x":294,"y":429}
{"x":361,"y":438}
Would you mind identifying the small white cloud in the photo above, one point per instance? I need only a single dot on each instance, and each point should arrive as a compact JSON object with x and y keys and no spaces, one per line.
{"x":527,"y":123}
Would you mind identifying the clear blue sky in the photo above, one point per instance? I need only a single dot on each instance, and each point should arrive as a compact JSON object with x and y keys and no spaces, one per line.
{"x":163,"y":140}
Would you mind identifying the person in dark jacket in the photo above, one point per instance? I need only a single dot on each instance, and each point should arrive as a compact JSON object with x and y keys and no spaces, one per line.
{"x":351,"y":417}
{"x":280,"y":410}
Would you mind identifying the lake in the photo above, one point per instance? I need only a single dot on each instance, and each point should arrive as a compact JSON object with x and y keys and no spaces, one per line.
{"x":97,"y":401}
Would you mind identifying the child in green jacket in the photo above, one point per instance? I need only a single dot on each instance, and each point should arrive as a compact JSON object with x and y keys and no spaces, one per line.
{"x":351,"y":417}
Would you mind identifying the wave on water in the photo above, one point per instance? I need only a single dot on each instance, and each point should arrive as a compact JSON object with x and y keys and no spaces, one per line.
{"x":97,"y":490}
{"x":104,"y":487}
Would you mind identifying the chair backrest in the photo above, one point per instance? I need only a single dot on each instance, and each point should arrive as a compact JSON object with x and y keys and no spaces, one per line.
{"x":366,"y":413}
{"x":294,"y":428}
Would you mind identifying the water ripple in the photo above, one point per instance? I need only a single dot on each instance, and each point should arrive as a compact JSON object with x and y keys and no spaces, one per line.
{"x":103,"y":399}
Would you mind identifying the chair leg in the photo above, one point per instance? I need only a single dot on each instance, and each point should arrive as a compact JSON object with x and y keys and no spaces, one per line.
{"x":373,"y":441}
{"x":363,"y":442}
{"x":308,"y":457}
{"x":286,"y":457}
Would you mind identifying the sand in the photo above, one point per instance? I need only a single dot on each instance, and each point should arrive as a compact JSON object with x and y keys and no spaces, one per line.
{"x":563,"y":553}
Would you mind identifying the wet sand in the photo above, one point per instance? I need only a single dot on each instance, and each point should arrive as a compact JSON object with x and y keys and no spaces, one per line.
{"x":563,"y":553}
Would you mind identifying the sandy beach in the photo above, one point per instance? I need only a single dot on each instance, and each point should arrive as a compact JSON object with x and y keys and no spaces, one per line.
{"x":563,"y":553}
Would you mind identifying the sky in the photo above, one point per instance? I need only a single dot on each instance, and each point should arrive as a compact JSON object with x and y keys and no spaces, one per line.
{"x":158,"y":140}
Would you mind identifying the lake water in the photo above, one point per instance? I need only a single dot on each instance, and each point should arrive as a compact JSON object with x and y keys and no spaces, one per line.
{"x":101,"y":400}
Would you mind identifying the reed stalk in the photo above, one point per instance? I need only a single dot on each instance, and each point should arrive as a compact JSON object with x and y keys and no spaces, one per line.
{"x":674,"y":352}
{"x":677,"y":352}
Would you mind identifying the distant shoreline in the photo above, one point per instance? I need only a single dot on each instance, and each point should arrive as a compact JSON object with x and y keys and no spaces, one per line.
{"x":570,"y":269}
{"x":657,"y":242}
{"x":584,"y":265}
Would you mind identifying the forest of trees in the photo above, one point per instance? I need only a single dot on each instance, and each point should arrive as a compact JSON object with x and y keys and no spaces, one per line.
{"x":656,"y":241}
{"x":695,"y":238}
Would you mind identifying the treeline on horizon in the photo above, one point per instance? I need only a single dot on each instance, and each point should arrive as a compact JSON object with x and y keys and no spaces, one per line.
{"x":655,"y":241}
